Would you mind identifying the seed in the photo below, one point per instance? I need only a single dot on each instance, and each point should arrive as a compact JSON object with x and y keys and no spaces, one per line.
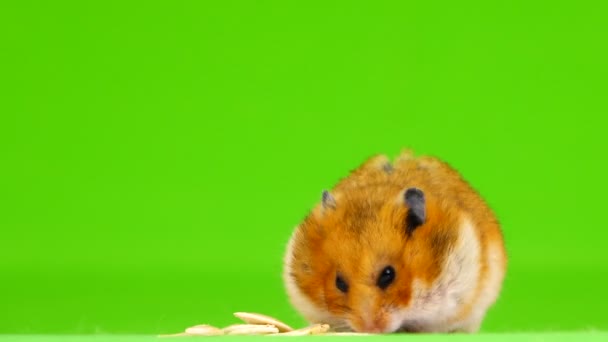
{"x":255,"y":318}
{"x":251,"y":329}
{"x":204,"y":330}
{"x":317,"y":329}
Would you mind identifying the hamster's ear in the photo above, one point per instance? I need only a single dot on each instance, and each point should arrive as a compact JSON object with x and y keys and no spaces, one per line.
{"x":328,"y":200}
{"x":416,"y":214}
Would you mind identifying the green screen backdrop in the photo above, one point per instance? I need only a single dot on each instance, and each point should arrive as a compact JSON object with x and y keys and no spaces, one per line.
{"x":155,"y":156}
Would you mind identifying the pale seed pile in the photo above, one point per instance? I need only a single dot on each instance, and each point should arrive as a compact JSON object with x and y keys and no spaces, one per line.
{"x":258,"y":324}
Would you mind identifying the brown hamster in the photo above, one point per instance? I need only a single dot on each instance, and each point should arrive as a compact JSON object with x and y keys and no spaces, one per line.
{"x":407,"y":246}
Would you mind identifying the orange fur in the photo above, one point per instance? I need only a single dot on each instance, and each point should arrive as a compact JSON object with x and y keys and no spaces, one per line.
{"x":366,"y":232}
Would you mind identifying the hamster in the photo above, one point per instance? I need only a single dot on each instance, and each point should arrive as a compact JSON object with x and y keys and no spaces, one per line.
{"x":407,"y":246}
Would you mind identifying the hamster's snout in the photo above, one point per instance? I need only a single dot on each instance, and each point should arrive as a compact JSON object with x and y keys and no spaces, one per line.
{"x":371,"y":322}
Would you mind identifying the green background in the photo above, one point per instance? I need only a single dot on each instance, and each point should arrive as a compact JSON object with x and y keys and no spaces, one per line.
{"x":156,"y":156}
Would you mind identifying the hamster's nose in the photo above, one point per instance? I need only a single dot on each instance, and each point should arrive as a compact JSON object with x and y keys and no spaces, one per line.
{"x":373,"y":325}
{"x":373,"y":329}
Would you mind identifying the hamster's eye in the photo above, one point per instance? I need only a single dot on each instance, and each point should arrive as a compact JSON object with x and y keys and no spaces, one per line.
{"x":341,"y":284}
{"x":386,"y":277}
